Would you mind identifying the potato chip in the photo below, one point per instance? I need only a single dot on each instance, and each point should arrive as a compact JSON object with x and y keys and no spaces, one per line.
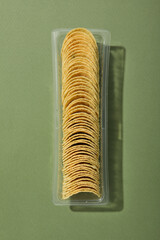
{"x":78,"y":62}
{"x":67,"y":194}
{"x":82,"y":31}
{"x":80,"y":42}
{"x":80,"y":100}
{"x":78,"y":53}
{"x":79,"y":73}
{"x":72,"y":167}
{"x":83,"y":108}
{"x":82,"y":83}
{"x":79,"y":157}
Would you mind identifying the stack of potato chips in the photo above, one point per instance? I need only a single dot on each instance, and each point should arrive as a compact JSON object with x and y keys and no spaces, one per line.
{"x":80,"y":100}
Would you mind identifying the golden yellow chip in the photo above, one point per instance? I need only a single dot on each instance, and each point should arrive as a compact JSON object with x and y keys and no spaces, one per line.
{"x":80,"y":184}
{"x":67,"y":194}
{"x":78,"y":115}
{"x":75,"y":165}
{"x":82,"y":32}
{"x":81,"y":87}
{"x":83,"y":108}
{"x":82,"y":121}
{"x":79,"y":41}
{"x":80,"y":100}
{"x":81,"y":70}
{"x":78,"y":164}
{"x":80,"y":157}
{"x":81,"y":81}
{"x":80,"y":148}
{"x":78,"y":53}
{"x":80,"y":61}
{"x":81,"y":73}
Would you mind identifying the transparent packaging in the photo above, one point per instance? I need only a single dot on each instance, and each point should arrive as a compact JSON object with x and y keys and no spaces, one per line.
{"x":103,"y":42}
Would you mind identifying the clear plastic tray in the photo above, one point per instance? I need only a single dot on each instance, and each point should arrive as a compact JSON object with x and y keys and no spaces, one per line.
{"x":103,"y":41}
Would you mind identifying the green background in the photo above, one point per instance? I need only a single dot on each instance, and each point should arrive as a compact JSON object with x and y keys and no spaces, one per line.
{"x":26,"y":130}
